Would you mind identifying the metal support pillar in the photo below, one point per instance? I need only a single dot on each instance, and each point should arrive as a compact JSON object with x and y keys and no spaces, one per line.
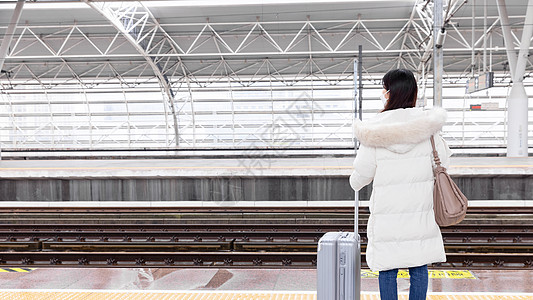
{"x":507,"y":37}
{"x":485,"y":35}
{"x":358,"y":76}
{"x":8,"y":37}
{"x":517,"y":110}
{"x":360,"y":72}
{"x":438,"y":61}
{"x":524,"y":44}
{"x":473,"y":55}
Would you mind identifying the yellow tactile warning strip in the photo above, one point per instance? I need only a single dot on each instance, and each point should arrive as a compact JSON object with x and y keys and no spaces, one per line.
{"x":142,"y":295}
{"x":450,"y":274}
{"x":21,"y":270}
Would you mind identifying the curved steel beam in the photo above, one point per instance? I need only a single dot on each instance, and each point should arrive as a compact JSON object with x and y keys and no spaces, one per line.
{"x":140,"y":28}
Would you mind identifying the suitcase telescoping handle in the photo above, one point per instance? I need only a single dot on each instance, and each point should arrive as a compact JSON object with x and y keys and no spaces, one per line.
{"x":356,"y":215}
{"x":356,"y":204}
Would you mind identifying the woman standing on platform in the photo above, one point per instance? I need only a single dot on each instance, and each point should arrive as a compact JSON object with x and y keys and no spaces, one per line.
{"x":395,"y":152}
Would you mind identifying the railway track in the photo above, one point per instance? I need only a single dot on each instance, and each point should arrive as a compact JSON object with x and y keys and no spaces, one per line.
{"x":234,"y":260}
{"x":270,"y":233}
{"x":279,"y":241}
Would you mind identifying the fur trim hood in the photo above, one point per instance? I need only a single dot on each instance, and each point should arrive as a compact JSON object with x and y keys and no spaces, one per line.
{"x":400,"y":130}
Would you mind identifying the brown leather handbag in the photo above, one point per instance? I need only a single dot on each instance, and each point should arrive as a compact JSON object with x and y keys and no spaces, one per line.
{"x":449,"y":203}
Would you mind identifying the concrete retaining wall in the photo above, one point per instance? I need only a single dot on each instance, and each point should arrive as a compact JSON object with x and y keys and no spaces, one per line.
{"x":294,"y":188}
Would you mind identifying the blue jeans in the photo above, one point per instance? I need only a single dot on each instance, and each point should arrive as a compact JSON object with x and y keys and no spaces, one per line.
{"x":388,"y":288}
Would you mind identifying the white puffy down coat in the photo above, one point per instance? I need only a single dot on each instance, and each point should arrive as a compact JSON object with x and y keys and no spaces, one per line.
{"x":396,"y":154}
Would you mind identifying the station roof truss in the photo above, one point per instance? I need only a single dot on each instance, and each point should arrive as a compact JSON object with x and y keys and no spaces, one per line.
{"x":178,"y":49}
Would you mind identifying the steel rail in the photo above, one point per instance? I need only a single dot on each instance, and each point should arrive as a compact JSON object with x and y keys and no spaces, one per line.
{"x":505,"y":233}
{"x":239,"y":246}
{"x":236,"y":260}
{"x":226,"y":209}
{"x":247,"y":227}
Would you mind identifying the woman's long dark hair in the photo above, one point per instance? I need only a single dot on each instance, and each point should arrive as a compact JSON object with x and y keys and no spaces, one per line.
{"x":401,"y":84}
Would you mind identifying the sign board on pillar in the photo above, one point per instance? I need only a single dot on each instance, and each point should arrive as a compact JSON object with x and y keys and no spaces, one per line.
{"x":490,"y":106}
{"x":475,"y":106}
{"x":485,"y":106}
{"x":481,"y":82}
{"x":485,"y":81}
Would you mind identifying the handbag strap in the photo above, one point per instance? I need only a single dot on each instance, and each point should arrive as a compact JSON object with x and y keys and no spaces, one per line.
{"x":435,"y":153}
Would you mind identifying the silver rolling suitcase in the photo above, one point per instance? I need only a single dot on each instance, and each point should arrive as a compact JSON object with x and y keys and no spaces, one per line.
{"x":339,"y":264}
{"x":339,"y":253}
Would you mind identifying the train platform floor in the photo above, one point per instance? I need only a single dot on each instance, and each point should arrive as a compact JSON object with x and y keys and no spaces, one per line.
{"x":256,"y":167}
{"x":170,"y":283}
{"x":231,"y":295}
